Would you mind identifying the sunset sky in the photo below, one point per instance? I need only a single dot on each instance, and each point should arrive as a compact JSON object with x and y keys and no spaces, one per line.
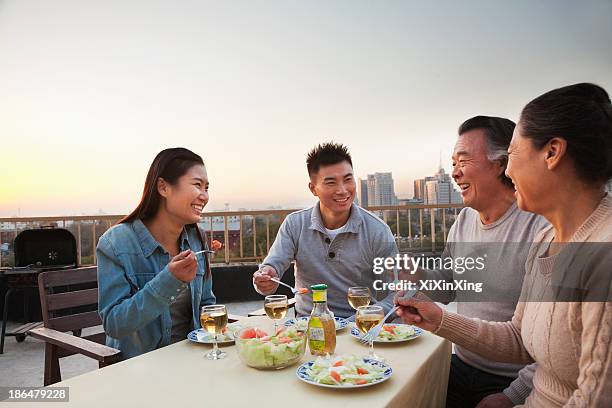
{"x":91,"y":91}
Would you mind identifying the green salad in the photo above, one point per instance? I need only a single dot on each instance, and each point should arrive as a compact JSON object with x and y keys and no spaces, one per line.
{"x":344,"y":370}
{"x":395,"y":332}
{"x":259,"y":350}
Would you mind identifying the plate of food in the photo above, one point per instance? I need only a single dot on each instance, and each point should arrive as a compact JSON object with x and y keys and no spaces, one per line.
{"x":393,"y":333}
{"x":301,"y":323}
{"x":203,"y":337}
{"x":344,"y":372}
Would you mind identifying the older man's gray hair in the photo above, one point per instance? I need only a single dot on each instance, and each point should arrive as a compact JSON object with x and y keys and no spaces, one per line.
{"x":499,"y":133}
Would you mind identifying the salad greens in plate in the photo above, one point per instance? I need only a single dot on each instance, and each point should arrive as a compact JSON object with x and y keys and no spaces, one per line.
{"x":344,"y":372}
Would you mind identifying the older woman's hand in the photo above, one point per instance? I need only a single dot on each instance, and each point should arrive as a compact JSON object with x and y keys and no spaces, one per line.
{"x":419,"y":311}
{"x":184,"y":266}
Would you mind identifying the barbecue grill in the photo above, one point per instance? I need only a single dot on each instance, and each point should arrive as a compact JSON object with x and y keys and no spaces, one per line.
{"x":36,"y":250}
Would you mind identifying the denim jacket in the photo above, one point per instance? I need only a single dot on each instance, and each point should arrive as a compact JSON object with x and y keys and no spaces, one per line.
{"x":136,"y":287}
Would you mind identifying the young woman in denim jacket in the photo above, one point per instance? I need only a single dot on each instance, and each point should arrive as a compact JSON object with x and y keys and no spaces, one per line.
{"x":151,"y":283}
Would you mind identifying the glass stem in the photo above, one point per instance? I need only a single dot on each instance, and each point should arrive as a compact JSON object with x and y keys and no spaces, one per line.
{"x":215,"y":346}
{"x":372,"y":349}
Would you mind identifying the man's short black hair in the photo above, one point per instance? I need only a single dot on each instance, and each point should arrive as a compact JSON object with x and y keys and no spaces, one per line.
{"x":327,"y":154}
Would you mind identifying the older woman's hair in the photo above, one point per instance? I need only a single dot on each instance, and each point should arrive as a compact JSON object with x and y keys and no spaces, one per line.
{"x":582,"y":115}
{"x":498,"y":132}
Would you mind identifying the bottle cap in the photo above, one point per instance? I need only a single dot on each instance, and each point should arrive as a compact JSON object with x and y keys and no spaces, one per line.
{"x":320,"y":286}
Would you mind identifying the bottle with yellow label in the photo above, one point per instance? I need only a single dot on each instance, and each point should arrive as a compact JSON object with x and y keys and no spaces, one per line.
{"x":321,"y":325}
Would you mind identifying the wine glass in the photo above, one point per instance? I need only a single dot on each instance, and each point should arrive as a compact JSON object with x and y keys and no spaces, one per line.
{"x":276,"y":308}
{"x":358,"y":296}
{"x":214,"y":319}
{"x":366,"y":318}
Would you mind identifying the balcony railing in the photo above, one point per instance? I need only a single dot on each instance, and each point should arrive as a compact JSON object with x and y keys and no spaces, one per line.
{"x":246,"y":235}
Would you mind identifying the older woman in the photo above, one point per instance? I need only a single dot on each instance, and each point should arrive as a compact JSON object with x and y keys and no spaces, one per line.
{"x":151,"y":283}
{"x":559,"y":160}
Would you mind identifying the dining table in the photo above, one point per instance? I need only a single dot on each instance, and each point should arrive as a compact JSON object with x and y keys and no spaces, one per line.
{"x":179,"y":375}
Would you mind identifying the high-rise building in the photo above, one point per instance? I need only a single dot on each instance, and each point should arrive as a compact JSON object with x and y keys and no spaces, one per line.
{"x":380,"y":190}
{"x":419,"y":187}
{"x":440,"y":190}
{"x":362,"y":192}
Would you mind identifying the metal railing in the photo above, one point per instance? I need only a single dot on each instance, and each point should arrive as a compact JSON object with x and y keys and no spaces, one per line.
{"x":247,"y":235}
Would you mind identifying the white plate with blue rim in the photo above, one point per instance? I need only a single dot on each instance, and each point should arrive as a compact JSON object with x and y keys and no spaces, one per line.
{"x":203,"y":337}
{"x":301,"y":323}
{"x":303,"y":373}
{"x":393,"y":333}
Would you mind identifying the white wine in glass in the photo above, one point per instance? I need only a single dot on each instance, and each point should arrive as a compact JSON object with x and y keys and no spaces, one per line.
{"x":276,"y":311}
{"x":358,"y":296}
{"x":366,"y":318}
{"x":276,"y":307}
{"x":213,"y":319}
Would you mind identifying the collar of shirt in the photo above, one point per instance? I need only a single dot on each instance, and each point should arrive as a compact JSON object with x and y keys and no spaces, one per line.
{"x":353,"y":224}
{"x":149,"y":244}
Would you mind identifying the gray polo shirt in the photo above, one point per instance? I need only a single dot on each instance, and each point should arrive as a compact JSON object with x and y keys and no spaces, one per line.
{"x":344,"y":261}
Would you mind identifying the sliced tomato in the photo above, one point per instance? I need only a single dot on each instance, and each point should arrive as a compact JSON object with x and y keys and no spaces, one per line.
{"x":265,"y":338}
{"x":335,"y":376}
{"x":362,"y":370}
{"x":359,"y":382}
{"x":279,"y":330}
{"x":389,"y":328}
{"x":248,"y":334}
{"x":338,"y":364}
{"x":251,"y":333}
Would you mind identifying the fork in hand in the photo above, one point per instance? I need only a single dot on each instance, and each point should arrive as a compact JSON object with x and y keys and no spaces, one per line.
{"x":373,"y":333}
{"x":300,"y":291}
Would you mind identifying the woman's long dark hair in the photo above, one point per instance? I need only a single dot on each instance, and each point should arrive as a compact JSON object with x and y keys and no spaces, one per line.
{"x":170,"y":165}
{"x":582,"y":115}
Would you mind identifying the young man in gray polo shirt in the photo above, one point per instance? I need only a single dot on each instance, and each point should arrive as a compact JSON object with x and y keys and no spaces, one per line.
{"x":333,"y":242}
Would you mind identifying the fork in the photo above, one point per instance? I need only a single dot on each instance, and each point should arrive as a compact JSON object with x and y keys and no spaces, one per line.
{"x":373,"y":333}
{"x":206,"y":251}
{"x":295,"y":291}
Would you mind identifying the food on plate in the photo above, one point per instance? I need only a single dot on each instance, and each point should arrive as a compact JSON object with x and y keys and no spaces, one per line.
{"x":394,"y":332}
{"x":344,"y":370}
{"x":227,"y":333}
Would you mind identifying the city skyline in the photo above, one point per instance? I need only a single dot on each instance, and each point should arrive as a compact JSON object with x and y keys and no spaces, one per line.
{"x":92,"y":91}
{"x":230,"y":207}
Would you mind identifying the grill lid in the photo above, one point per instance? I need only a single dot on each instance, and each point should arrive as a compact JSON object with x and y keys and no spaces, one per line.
{"x":45,"y":248}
